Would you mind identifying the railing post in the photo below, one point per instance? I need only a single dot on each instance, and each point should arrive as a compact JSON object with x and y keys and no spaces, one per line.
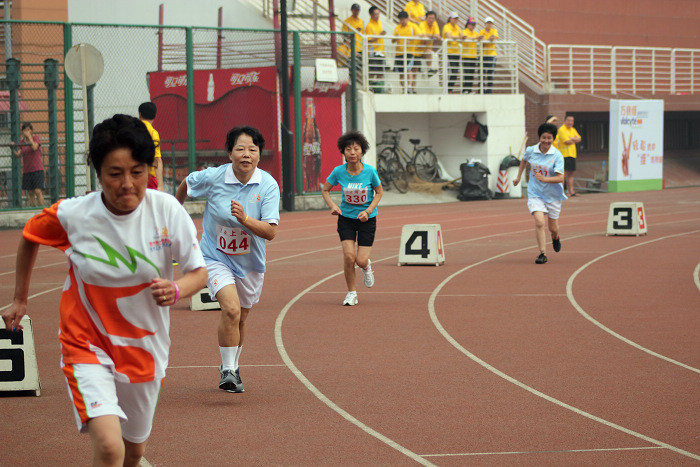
{"x":571,"y":71}
{"x":673,"y":71}
{"x":613,"y":71}
{"x":590,"y":65}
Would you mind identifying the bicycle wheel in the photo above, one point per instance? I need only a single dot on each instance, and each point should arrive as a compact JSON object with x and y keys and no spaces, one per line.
{"x":383,"y":171}
{"x":425,"y":163}
{"x":399,"y":176}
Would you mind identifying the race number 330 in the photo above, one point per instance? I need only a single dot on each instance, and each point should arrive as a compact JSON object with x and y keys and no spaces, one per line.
{"x":232,"y":241}
{"x":355,"y":195}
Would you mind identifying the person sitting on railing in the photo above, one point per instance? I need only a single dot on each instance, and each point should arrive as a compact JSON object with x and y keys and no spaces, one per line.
{"x":452,"y":31}
{"x":489,"y":34}
{"x":375,"y":44}
{"x":429,"y":30}
{"x":416,"y":11}
{"x":404,"y":61}
{"x":470,"y":58}
{"x":355,"y":23}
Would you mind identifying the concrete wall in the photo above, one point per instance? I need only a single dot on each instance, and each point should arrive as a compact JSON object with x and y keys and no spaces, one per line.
{"x":440,"y":121}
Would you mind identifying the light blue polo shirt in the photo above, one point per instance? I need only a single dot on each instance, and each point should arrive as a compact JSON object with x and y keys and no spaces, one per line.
{"x":548,"y":165}
{"x":225,"y":239}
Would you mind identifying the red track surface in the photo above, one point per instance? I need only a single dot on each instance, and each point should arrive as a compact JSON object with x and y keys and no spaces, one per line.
{"x":490,"y":359}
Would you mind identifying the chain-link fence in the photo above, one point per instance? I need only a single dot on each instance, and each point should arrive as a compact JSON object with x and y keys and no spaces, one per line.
{"x":204,"y":82}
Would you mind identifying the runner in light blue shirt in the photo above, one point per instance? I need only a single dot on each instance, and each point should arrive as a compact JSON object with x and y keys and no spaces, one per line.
{"x":240,"y":216}
{"x":545,"y":191}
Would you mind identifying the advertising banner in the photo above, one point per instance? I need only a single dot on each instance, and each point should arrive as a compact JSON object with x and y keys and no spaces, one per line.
{"x":636,"y":145}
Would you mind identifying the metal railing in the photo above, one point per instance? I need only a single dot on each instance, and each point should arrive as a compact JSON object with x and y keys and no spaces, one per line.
{"x":613,"y":70}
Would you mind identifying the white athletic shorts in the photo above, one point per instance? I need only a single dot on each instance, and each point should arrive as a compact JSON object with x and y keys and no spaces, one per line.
{"x":249,"y":287}
{"x":538,"y":204}
{"x":95,"y":393}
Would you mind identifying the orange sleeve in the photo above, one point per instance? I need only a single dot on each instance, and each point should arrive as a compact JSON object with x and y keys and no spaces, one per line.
{"x":46,"y":229}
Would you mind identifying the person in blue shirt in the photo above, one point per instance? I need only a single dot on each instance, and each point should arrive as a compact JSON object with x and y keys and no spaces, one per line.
{"x":545,"y":191}
{"x":357,"y":213}
{"x":240,"y":216}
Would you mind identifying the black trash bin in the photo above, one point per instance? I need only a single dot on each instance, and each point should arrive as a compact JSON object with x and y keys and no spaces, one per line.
{"x":475,"y":182}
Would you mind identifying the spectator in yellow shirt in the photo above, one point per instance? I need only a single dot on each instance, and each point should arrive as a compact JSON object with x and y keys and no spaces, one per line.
{"x":470,"y":59}
{"x":375,"y":45}
{"x":147,"y":113}
{"x":566,"y":140}
{"x":453,"y":33}
{"x":429,"y":30}
{"x":404,"y":60}
{"x":355,"y":23}
{"x":489,"y":34}
{"x":416,"y":11}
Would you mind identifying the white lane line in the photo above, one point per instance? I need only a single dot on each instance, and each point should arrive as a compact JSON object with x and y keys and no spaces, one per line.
{"x":217,"y":366}
{"x":65,"y":262}
{"x":582,"y":312}
{"x":34,"y":296}
{"x":563,"y":451}
{"x":322,"y":397}
{"x":497,"y":372}
{"x":696,"y":276}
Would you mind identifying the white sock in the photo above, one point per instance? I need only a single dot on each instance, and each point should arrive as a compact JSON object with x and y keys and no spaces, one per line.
{"x":228,"y":357}
{"x":238,"y":354}
{"x":369,"y":266}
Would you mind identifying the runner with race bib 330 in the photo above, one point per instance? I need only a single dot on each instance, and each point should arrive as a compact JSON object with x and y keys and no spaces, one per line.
{"x":241,"y":215}
{"x":357,"y":214}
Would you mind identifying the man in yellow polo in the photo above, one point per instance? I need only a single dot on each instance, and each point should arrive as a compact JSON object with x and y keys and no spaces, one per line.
{"x":375,"y":45}
{"x":430,"y":31}
{"x":404,"y":61}
{"x":416,"y":11}
{"x":490,"y":35}
{"x":566,"y":140}
{"x":355,"y":23}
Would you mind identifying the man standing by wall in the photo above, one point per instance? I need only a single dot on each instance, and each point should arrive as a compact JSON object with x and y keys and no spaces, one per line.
{"x":147,"y":113}
{"x":489,"y":34}
{"x":355,"y":24}
{"x":566,"y":140}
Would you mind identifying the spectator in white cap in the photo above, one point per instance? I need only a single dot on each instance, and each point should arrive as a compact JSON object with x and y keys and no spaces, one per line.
{"x":453,"y":33}
{"x":489,"y":34}
{"x":470,"y":57}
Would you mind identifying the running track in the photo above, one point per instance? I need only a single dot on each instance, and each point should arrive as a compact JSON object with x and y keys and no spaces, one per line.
{"x":490,"y":359}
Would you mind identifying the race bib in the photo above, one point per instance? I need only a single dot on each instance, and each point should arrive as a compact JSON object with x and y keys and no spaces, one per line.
{"x":232,"y":241}
{"x":355,"y":195}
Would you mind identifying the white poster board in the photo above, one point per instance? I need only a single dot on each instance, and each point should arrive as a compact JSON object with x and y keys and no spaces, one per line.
{"x":636,"y":157}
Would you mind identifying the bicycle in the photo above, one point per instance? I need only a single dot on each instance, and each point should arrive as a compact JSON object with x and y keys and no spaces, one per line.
{"x":391,"y":172}
{"x":423,"y":162}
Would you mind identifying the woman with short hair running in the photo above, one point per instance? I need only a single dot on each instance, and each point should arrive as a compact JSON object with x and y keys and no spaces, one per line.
{"x":545,"y":191}
{"x":357,"y":213}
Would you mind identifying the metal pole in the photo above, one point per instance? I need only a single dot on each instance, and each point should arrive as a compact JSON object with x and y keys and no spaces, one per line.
{"x":287,"y":135}
{"x":83,"y":69}
{"x":353,"y":83}
{"x":219,"y":38}
{"x":68,"y":105}
{"x":51,"y":83}
{"x":191,"y":136}
{"x":14,"y":80}
{"x":8,"y":30}
{"x":160,"y":37}
{"x":297,"y":115}
{"x":90,"y":126}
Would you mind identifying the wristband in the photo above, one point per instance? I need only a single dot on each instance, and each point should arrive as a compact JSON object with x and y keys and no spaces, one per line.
{"x":246,"y":219}
{"x":177,"y":293}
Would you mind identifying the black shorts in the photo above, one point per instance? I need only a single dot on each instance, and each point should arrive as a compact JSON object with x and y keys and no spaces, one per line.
{"x":402,"y":61}
{"x":357,"y":231}
{"x":570,"y":164}
{"x":33,"y":180}
{"x":376,"y":64}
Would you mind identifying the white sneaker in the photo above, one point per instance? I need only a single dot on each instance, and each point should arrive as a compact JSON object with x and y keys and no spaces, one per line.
{"x":350,"y":299}
{"x":368,"y":274}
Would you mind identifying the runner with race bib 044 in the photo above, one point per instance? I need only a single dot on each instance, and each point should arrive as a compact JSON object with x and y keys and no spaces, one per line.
{"x":240,"y":216}
{"x":357,"y":213}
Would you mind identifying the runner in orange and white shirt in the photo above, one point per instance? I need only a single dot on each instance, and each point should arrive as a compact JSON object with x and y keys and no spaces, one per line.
{"x":114,"y":310}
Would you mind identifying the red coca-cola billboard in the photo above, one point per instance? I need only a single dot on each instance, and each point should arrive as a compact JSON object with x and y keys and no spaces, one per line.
{"x":225,"y":98}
